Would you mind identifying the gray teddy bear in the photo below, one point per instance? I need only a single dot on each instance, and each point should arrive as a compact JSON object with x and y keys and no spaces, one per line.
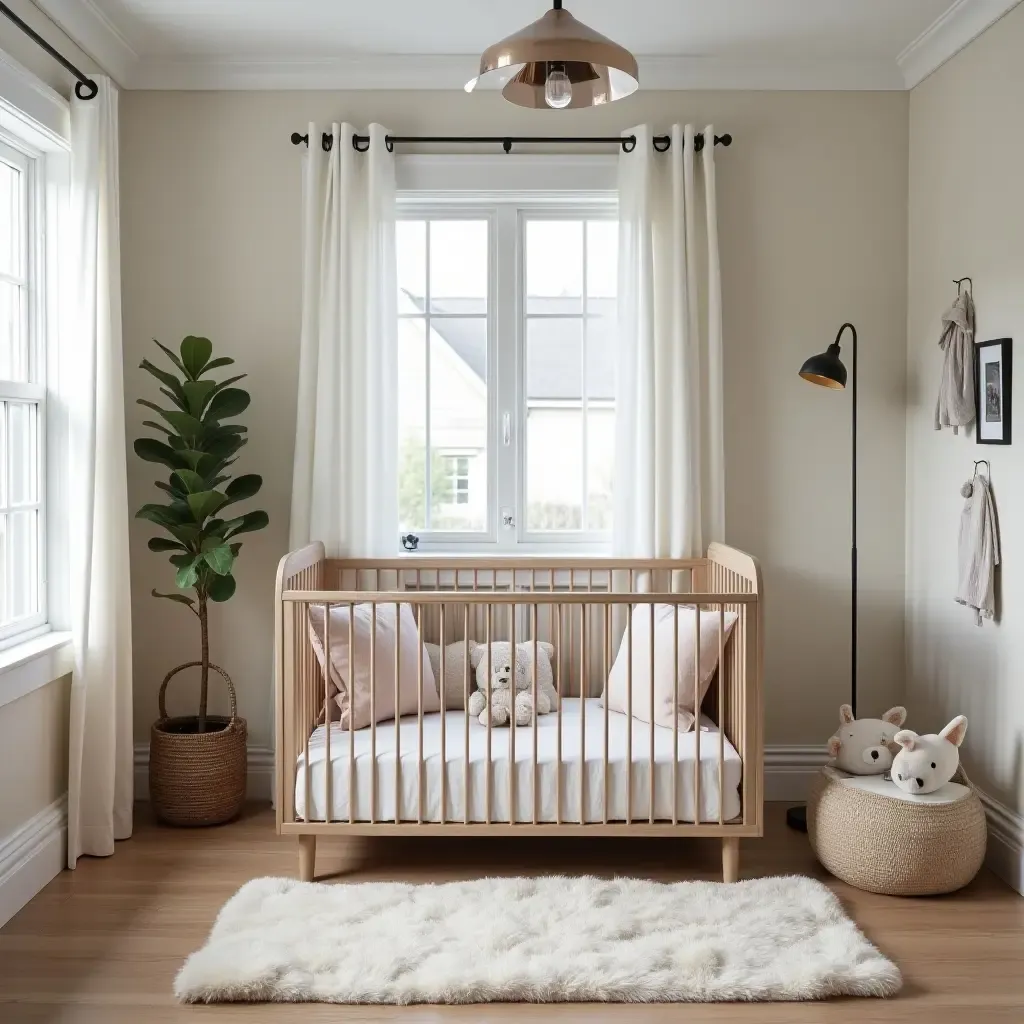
{"x":508,"y":701}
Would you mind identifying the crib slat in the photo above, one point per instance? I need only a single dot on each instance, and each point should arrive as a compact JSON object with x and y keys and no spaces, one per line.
{"x":675,"y":715}
{"x":533,"y":637}
{"x":443,"y":817}
{"x":583,"y":713}
{"x":629,"y":707}
{"x":373,"y":714}
{"x":513,"y":663}
{"x":490,"y":609}
{"x":606,"y":658}
{"x":558,"y":690}
{"x":328,"y":772}
{"x":721,"y":716}
{"x":650,"y":751}
{"x":465,"y":691}
{"x":398,"y":731}
{"x":351,"y":728}
{"x":696,"y":714}
{"x":419,"y":709}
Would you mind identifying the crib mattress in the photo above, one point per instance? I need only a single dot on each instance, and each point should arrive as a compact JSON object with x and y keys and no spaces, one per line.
{"x":575,"y":762}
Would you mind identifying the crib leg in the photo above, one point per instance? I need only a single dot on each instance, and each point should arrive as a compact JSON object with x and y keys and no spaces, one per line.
{"x":730,"y":859}
{"x":307,"y":858}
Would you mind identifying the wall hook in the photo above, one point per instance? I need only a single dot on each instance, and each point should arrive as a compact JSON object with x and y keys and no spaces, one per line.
{"x":960,"y":282}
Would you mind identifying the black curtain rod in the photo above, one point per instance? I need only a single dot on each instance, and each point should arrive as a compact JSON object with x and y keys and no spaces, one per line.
{"x":361,"y":143}
{"x":85,"y":87}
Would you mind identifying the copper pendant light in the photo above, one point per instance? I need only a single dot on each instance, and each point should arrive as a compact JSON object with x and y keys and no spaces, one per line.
{"x":559,"y":62}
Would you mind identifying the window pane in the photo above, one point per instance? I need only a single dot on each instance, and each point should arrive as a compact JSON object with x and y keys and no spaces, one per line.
{"x":22,"y":453}
{"x":554,"y":472}
{"x":458,"y":266}
{"x":602,"y":264}
{"x":23,"y":555}
{"x":10,"y":220}
{"x":554,"y":360}
{"x":412,"y":425}
{"x":458,"y":424}
{"x":554,"y":266}
{"x":411,"y":264}
{"x":13,"y":343}
{"x":600,"y":466}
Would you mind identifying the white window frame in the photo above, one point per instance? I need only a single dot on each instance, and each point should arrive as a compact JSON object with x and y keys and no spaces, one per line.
{"x":458,"y":188}
{"x":29,"y":161}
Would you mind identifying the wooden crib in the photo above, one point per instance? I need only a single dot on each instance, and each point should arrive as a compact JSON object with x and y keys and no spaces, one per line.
{"x":581,"y":770}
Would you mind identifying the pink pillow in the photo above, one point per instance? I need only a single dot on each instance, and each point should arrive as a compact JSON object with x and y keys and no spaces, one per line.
{"x":350,"y":688}
{"x":617,"y":691}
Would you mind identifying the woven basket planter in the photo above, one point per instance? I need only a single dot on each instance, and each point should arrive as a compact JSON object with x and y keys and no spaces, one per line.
{"x":197,"y":778}
{"x":898,"y":847}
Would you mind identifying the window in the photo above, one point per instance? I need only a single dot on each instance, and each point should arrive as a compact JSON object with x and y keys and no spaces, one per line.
{"x":22,"y":400}
{"x":506,"y":332}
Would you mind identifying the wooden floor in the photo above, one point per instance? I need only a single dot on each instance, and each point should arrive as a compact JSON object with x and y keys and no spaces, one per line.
{"x":101,"y":945}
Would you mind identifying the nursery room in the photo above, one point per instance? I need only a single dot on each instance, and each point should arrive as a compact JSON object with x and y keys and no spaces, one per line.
{"x":511,"y":509}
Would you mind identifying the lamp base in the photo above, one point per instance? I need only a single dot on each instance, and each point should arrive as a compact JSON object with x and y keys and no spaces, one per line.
{"x":796,"y":818}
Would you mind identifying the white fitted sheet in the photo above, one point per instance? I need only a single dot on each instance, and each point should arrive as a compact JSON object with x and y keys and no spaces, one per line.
{"x":547,"y":770}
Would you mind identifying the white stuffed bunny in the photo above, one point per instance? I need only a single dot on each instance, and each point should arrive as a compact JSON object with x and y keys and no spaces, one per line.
{"x":927,"y":763}
{"x":865,"y":746}
{"x":508,"y":700}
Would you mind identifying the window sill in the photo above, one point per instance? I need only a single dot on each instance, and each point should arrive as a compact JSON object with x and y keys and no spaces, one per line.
{"x":33,"y":664}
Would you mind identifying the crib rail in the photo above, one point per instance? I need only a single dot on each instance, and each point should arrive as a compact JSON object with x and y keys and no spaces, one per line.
{"x":587,"y":609}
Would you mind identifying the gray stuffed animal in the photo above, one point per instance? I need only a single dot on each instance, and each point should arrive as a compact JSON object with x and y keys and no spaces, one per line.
{"x":510,"y":700}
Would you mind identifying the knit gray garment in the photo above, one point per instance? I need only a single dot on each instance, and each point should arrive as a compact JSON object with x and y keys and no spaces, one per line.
{"x":955,"y":405}
{"x":978,"y":553}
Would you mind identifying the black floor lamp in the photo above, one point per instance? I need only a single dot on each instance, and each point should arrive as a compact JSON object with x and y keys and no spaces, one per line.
{"x":827,"y":369}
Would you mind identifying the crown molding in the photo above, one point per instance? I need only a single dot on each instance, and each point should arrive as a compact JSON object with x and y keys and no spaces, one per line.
{"x":450,"y":72}
{"x":961,"y":24}
{"x":95,"y":34}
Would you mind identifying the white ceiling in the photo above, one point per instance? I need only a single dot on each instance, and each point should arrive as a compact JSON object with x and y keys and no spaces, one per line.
{"x":368,"y":43}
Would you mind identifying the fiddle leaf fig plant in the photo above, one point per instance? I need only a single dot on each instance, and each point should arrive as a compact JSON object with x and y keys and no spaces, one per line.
{"x":198,"y":447}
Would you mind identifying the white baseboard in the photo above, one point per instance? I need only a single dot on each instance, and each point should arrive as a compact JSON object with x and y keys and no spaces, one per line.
{"x":788,"y":771}
{"x":1005,"y":856}
{"x":31,"y":856}
{"x":259,"y":774}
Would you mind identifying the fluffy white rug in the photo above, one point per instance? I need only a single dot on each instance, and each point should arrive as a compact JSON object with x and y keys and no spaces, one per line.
{"x":534,"y":940}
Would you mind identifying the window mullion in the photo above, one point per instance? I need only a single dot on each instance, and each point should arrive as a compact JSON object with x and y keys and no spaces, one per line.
{"x":585,"y":518}
{"x":428,"y":448}
{"x":509,"y":455}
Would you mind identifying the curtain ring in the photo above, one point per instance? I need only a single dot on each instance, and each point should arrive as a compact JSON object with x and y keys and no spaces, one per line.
{"x":662,"y":143}
{"x":628,"y":143}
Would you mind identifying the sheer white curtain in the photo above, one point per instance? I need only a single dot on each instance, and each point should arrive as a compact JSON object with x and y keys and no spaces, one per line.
{"x":92,"y":388}
{"x":669,"y":461}
{"x":344,"y":483}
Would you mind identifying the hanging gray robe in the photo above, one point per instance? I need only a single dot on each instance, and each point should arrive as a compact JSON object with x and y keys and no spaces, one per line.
{"x":955,"y":407}
{"x":978,"y":551}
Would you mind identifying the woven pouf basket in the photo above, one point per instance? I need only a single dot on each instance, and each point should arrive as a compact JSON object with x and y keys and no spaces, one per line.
{"x":197,"y":778}
{"x":893,"y":845}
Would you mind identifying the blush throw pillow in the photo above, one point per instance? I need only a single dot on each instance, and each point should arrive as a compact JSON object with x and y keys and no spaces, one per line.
{"x":617,"y":691}
{"x":349,"y":677}
{"x":456,"y":673}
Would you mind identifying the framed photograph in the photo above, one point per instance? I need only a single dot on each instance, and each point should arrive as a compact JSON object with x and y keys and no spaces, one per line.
{"x":993,"y":382}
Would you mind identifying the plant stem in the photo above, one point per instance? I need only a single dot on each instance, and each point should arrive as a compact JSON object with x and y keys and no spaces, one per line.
{"x":204,"y":679}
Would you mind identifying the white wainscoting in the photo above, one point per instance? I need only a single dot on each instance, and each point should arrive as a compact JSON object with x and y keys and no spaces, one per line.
{"x":31,"y":856}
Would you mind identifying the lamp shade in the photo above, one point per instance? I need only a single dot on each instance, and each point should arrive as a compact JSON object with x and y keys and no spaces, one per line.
{"x":599,"y":70}
{"x":826,"y":369}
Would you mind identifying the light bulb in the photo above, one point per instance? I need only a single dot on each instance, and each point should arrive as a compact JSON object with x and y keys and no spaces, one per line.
{"x":557,"y":89}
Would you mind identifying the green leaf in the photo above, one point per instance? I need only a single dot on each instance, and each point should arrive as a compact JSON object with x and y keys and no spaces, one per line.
{"x":213,"y":364}
{"x":170,"y":355}
{"x":152,"y":450}
{"x":163,"y":515}
{"x":163,"y":544}
{"x":235,"y":548}
{"x":243,"y":487}
{"x":227,"y":383}
{"x":195,"y":354}
{"x":187,"y":576}
{"x":185,"y":424}
{"x":174,"y":489}
{"x":197,"y":394}
{"x":249,"y":523}
{"x":165,"y":378}
{"x":219,"y":559}
{"x":205,"y":503}
{"x":155,"y":426}
{"x":175,"y":400}
{"x":230,"y":402}
{"x":180,"y":598}
{"x":187,"y":533}
{"x":182,"y":560}
{"x":221,"y":588}
{"x":191,"y":481}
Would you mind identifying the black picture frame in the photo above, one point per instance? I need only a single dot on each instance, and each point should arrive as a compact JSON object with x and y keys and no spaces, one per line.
{"x":993,"y":391}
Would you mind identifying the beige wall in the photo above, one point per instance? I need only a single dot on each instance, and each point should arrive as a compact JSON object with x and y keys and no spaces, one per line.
{"x":34,"y":746}
{"x":813,"y":222}
{"x":966,"y":217}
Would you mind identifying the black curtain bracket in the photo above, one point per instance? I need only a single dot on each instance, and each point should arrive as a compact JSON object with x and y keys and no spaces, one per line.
{"x":85,"y":87}
{"x":361,"y":143}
